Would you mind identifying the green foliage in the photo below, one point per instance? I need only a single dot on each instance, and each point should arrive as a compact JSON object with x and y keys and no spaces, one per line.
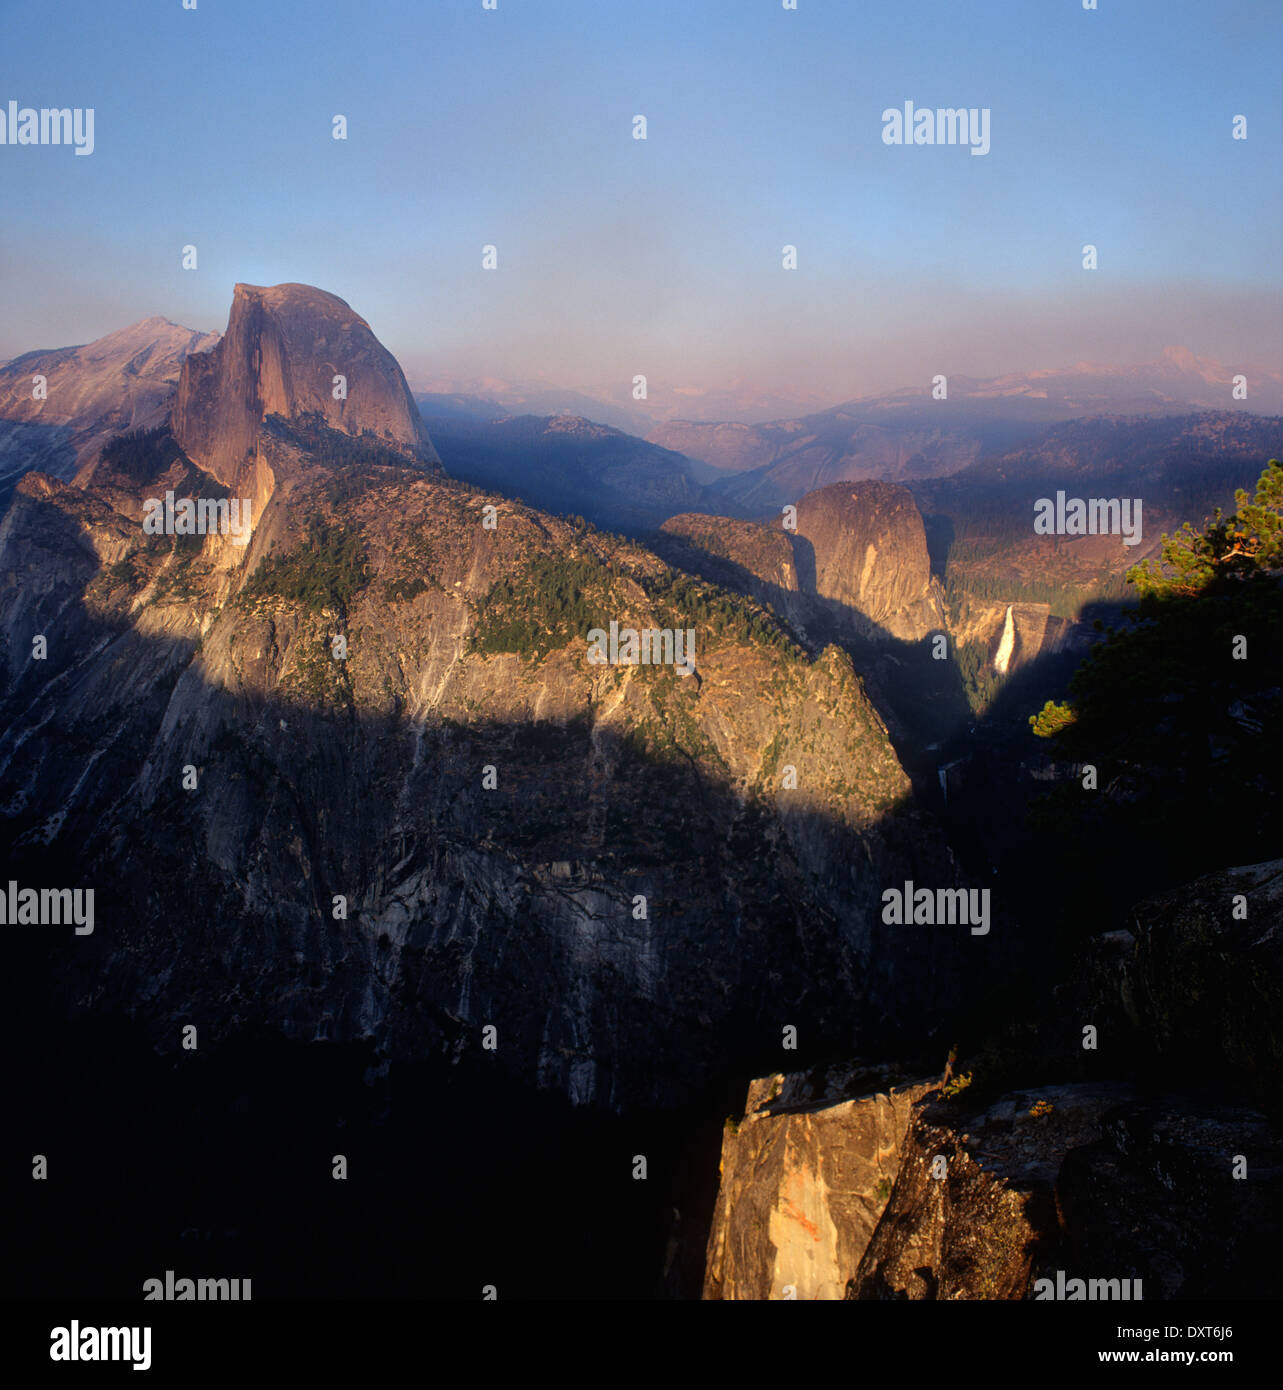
{"x":142,"y":455}
{"x":176,"y":581}
{"x":1051,"y":719}
{"x":403,"y":590}
{"x":549,"y":603}
{"x":317,"y":677}
{"x":684,"y":602}
{"x":554,"y":600}
{"x":325,"y":571}
{"x":1065,"y":600}
{"x":980,"y":681}
{"x":414,"y":557}
{"x":1259,"y":529}
{"x":1229,"y":547}
{"x":674,"y":735}
{"x":771,"y":756}
{"x":957,"y":1086}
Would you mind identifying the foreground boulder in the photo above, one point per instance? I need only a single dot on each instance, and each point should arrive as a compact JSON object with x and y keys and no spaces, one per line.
{"x":901,"y":1194}
{"x":805,"y":1176}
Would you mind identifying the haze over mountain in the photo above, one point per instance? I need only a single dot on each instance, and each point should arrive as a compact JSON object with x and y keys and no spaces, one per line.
{"x":904,"y":924}
{"x":1176,"y":381}
{"x":746,"y":426}
{"x":908,"y":435}
{"x":356,"y":785}
{"x":613,"y":403}
{"x":491,"y":399}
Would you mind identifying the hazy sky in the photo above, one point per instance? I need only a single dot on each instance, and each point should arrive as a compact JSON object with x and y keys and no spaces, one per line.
{"x":663,"y":256}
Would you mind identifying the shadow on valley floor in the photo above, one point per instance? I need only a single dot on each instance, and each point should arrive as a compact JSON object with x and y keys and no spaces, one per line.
{"x":362,"y":1035}
{"x":319,"y":1035}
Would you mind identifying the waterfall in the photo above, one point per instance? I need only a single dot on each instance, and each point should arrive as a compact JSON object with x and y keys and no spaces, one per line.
{"x":1003,"y":659}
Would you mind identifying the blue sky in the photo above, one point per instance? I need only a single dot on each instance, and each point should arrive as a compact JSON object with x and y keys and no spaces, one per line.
{"x":616,"y":256}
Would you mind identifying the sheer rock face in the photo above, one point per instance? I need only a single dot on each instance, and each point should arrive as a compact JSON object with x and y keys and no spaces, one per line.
{"x":868,"y":547}
{"x":283,"y":348}
{"x":857,"y":565}
{"x":805,"y":1176}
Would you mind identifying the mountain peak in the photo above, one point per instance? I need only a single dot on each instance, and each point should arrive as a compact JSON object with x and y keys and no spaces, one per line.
{"x":293,"y":292}
{"x":291,"y":350}
{"x":121,"y":381}
{"x":154,"y":335}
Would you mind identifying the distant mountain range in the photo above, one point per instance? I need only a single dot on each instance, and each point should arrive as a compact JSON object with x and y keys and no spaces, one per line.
{"x":908,"y":435}
{"x":754,"y":465}
{"x":496,"y":400}
{"x":614,"y":404}
{"x":1178,"y":381}
{"x":1168,"y":425}
{"x":121,"y":382}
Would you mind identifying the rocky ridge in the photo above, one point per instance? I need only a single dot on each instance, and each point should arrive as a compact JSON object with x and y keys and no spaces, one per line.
{"x":460,"y":814}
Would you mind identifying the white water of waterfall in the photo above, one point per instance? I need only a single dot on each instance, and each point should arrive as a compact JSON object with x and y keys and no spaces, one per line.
{"x":1003,"y":659}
